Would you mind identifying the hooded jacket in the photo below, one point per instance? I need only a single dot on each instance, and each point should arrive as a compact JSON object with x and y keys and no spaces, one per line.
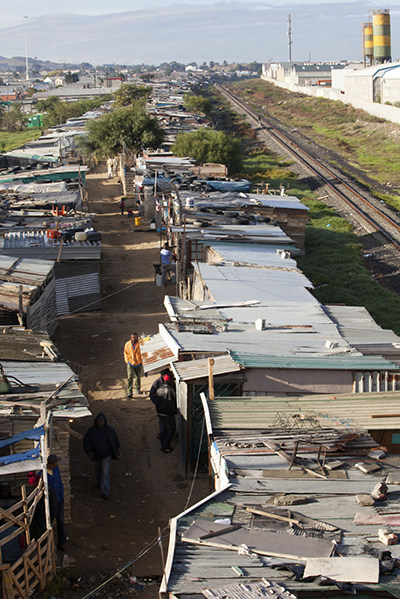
{"x":101,"y":442}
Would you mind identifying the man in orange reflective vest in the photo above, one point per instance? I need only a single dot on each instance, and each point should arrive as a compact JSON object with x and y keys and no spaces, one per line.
{"x":133,"y":359}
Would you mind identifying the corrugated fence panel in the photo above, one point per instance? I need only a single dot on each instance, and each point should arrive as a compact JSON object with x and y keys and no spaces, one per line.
{"x":77,"y":287}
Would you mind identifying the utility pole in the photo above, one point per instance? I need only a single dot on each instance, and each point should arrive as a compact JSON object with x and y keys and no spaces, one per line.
{"x":289,"y":34}
{"x":26,"y":49}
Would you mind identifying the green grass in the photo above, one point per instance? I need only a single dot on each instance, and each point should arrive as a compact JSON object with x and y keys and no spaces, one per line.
{"x":334,"y":264}
{"x":370,"y":143}
{"x":12,"y":141}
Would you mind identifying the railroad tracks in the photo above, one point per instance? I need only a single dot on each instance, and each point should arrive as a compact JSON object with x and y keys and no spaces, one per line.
{"x":369,"y":213}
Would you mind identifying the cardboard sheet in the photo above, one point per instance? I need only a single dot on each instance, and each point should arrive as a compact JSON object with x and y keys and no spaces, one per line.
{"x":258,"y":541}
{"x":344,"y":569}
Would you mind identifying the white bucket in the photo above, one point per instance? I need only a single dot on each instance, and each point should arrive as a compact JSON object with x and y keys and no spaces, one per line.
{"x":189,"y":202}
{"x":158,"y":280}
{"x":80,"y":236}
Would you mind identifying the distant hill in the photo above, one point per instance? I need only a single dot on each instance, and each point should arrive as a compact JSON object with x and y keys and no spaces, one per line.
{"x":232,"y":31}
{"x":19,"y":61}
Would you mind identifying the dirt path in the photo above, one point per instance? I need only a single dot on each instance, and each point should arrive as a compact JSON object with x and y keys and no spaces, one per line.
{"x":147,"y":486}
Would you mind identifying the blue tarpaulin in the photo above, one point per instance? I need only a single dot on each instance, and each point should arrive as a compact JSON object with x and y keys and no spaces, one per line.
{"x":33,"y":433}
{"x":31,"y":454}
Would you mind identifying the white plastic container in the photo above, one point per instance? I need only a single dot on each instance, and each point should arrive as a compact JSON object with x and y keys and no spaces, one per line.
{"x":189,"y":202}
{"x":80,"y":236}
{"x":158,"y":280}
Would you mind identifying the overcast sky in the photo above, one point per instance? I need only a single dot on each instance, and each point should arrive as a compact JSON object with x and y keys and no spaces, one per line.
{"x":12,"y":14}
{"x":154,"y":31}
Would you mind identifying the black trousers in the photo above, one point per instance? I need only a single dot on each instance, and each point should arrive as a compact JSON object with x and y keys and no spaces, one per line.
{"x":167,"y":430}
{"x":61,"y":534}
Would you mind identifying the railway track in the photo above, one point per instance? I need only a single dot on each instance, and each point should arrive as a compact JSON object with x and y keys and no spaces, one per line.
{"x":370,"y":213}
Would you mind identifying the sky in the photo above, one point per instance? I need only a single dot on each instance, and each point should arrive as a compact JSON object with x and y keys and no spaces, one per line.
{"x":154,"y":31}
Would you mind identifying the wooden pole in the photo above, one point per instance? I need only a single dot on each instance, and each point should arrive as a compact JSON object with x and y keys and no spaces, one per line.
{"x":211,"y":395}
{"x":25,"y":510}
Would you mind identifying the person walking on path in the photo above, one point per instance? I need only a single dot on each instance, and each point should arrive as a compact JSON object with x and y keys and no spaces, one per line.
{"x":57,"y":488}
{"x":167,"y":263}
{"x":122,"y":206}
{"x":165,"y":402}
{"x":133,"y":360}
{"x":101,"y":444}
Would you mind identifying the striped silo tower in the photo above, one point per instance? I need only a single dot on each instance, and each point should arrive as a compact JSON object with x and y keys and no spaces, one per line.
{"x":381,"y":36}
{"x":367,"y":43}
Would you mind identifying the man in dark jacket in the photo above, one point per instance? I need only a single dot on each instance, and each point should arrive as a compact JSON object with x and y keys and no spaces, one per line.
{"x":102,"y":445}
{"x":158,"y":382}
{"x":165,"y":402}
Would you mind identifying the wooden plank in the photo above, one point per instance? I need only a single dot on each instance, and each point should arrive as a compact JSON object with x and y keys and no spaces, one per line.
{"x":19,"y":588}
{"x":8,"y":589}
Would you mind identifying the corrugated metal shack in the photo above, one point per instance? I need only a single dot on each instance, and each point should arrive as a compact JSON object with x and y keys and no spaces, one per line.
{"x":255,"y":306}
{"x":293,"y":510}
{"x":213,"y":209}
{"x":38,"y":382}
{"x":77,"y":278}
{"x":28,"y":293}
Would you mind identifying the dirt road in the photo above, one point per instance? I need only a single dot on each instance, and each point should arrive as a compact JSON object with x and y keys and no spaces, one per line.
{"x":147,"y":486}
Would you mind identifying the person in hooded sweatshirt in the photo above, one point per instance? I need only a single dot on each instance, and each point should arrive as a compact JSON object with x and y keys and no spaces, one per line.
{"x":101,"y":444}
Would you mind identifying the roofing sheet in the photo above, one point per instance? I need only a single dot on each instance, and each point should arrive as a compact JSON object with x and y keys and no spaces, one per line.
{"x":33,"y":271}
{"x":239,"y":199}
{"x":156,"y":354}
{"x":197,"y":369}
{"x":255,"y":414}
{"x":254,"y":255}
{"x":272,"y":288}
{"x":347,"y":361}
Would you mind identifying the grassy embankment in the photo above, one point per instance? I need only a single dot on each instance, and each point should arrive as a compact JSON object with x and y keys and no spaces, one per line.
{"x":12,"y":141}
{"x":333,"y":260}
{"x":366,"y":142}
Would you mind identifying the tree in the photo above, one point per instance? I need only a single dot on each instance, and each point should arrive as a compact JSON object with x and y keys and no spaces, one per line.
{"x":13,"y":120}
{"x":197,"y":104}
{"x":127,"y":94}
{"x":131,"y":126}
{"x":71,"y":77}
{"x":207,"y":145}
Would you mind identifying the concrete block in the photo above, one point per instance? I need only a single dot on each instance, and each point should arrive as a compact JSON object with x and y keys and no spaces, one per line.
{"x":364,"y":499}
{"x":387,"y":537}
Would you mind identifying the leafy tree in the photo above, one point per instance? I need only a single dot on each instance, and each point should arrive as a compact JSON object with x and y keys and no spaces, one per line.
{"x":197,"y":104}
{"x":13,"y":120}
{"x":255,"y":66}
{"x":127,"y":94}
{"x":71,"y":77}
{"x":147,"y":77}
{"x":130,"y":126}
{"x":57,"y":112}
{"x":207,"y":145}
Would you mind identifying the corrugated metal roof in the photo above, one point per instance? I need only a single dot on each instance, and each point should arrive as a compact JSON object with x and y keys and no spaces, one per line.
{"x":254,"y":255}
{"x":347,"y":361}
{"x":156,"y":354}
{"x":271,"y":287}
{"x":34,"y":272}
{"x":197,"y":369}
{"x":355,"y":411}
{"x":237,"y":200}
